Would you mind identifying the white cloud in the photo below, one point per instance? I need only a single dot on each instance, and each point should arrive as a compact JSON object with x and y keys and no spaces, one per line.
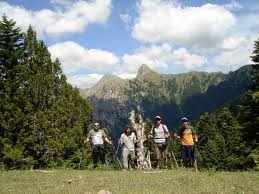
{"x":127,"y":19}
{"x":127,"y":75}
{"x":73,"y":19}
{"x":231,"y":43}
{"x":154,"y":56}
{"x":237,"y":47}
{"x":167,"y":22}
{"x":74,"y":57}
{"x":233,"y":59}
{"x":158,"y":57}
{"x":84,"y":81}
{"x":190,"y":61}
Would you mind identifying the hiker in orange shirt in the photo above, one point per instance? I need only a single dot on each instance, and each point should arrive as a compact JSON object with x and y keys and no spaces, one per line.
{"x":187,"y":136}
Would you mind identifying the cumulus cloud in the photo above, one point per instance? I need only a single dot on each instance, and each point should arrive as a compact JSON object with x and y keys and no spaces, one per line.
{"x":84,"y":81}
{"x":73,"y":19}
{"x":190,"y":61}
{"x":127,"y":75}
{"x":74,"y":57}
{"x":201,"y":27}
{"x":162,"y":56}
{"x":231,"y":43}
{"x":231,"y":60}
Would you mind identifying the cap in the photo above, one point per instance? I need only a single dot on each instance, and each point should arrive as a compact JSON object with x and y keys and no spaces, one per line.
{"x":158,"y":117}
{"x":184,"y":119}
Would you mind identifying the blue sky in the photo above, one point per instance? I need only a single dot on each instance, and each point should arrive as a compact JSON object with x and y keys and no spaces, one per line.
{"x":95,"y":37}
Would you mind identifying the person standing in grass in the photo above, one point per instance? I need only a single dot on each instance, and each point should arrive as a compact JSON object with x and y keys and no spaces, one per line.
{"x":187,"y":136}
{"x":128,"y":140}
{"x":160,"y":134}
{"x":96,"y":137}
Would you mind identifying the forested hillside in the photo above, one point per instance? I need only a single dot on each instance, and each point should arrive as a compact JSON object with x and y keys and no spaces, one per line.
{"x":170,"y":95}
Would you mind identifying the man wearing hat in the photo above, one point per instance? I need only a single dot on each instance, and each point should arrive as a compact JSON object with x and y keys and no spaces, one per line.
{"x":160,"y":134}
{"x":187,"y":136}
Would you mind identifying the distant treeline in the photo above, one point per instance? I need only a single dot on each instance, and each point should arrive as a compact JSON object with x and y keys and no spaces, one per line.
{"x":42,"y":117}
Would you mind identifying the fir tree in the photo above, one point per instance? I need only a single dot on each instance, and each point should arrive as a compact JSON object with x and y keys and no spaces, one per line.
{"x":11,"y":83}
{"x":211,"y":149}
{"x":42,"y":114}
{"x":236,"y":150}
{"x":249,"y":108}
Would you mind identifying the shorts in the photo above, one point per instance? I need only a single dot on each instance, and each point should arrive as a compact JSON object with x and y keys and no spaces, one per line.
{"x":161,"y":150}
{"x":187,"y":152}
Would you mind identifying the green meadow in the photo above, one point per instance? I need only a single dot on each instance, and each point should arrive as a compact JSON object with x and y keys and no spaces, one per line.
{"x":164,"y":181}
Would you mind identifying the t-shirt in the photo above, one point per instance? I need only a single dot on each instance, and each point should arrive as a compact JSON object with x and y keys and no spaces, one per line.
{"x":187,"y":136}
{"x":159,"y":133}
{"x":128,"y":141}
{"x":96,"y":137}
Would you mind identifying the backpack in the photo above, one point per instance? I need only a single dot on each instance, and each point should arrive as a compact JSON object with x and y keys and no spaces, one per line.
{"x":163,"y":126}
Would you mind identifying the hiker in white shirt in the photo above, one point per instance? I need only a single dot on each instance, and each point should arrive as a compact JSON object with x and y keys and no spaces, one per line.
{"x":160,"y":134}
{"x":128,"y":140}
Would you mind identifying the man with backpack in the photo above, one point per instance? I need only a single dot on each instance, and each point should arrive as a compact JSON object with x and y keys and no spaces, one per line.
{"x":187,"y":137}
{"x":128,"y":140}
{"x":160,"y":134}
{"x":96,"y":137}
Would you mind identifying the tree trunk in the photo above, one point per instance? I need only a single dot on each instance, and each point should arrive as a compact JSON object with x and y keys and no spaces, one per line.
{"x":138,"y":126}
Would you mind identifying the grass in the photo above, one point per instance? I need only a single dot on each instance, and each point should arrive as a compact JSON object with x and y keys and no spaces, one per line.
{"x":166,"y":181}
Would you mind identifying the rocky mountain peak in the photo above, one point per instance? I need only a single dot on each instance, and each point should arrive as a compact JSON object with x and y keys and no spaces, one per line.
{"x":108,"y":79}
{"x":145,"y":70}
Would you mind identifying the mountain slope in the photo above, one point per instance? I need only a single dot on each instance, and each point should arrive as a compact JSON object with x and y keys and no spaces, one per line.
{"x":169,"y":95}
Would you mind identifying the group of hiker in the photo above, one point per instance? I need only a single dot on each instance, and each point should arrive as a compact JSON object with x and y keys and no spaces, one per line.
{"x":160,"y":135}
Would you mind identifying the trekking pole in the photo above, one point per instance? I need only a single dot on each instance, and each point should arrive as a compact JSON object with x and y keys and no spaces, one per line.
{"x":107,"y":152}
{"x":175,"y":160}
{"x":117,"y":150}
{"x":81,"y":149}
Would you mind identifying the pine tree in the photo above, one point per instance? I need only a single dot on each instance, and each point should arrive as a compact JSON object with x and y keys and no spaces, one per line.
{"x":11,"y":83}
{"x":42,"y":114}
{"x":57,"y":111}
{"x":236,"y":152}
{"x":249,"y":108}
{"x":211,"y":149}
